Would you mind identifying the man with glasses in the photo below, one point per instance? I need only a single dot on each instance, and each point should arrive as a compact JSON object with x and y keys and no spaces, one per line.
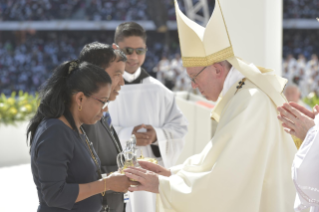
{"x":102,"y":134}
{"x":147,"y":109}
{"x":246,"y":166}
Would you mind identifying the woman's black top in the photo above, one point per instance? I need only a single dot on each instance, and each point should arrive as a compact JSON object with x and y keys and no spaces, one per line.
{"x":60,"y":161}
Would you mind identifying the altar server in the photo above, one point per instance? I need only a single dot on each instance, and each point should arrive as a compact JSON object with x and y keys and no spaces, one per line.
{"x":147,"y":109}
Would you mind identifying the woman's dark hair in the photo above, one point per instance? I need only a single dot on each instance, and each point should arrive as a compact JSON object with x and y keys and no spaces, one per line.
{"x":101,"y":54}
{"x":56,"y":94}
{"x":129,"y":29}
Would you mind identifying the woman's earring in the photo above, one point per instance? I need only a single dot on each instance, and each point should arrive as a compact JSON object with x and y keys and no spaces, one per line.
{"x":80,"y":107}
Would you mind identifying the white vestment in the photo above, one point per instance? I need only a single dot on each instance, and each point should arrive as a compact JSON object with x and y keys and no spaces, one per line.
{"x":149,"y":103}
{"x":305,"y":171}
{"x":246,"y":165}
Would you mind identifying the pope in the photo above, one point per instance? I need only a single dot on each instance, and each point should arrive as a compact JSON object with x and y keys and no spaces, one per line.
{"x":245,"y":167}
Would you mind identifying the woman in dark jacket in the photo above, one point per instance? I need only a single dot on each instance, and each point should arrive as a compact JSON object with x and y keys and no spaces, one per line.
{"x":65,"y":166}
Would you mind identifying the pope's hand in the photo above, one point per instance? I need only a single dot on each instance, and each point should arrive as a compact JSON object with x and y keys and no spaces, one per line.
{"x":296,"y":119}
{"x":155,"y":168}
{"x":148,"y":180}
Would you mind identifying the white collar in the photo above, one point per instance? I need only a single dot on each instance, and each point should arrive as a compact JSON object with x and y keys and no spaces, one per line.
{"x":131,"y":77}
{"x":233,"y":76}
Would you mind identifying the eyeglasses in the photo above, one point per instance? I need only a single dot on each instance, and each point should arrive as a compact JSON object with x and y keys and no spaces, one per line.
{"x":193,"y":79}
{"x":129,"y":51}
{"x":105,"y":104}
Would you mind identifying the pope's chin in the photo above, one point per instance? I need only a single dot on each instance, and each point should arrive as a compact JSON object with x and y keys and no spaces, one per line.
{"x":210,"y":98}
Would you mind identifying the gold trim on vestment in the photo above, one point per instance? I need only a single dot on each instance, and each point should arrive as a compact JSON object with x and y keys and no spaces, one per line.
{"x":297,"y":141}
{"x":208,"y":60}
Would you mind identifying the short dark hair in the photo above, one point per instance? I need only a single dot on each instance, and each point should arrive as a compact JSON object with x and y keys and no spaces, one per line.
{"x":56,"y":94}
{"x":129,"y":29}
{"x":101,"y":54}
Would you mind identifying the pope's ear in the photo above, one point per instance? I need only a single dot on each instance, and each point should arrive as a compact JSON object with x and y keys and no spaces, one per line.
{"x":219,"y":69}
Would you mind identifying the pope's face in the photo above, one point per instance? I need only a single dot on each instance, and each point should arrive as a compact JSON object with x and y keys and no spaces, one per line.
{"x":209,"y":81}
{"x":134,"y":61}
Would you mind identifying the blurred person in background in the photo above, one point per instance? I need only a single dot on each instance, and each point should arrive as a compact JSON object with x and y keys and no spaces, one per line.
{"x":183,"y":83}
{"x":177,"y":65}
{"x":170,"y":78}
{"x":65,"y":166}
{"x":102,"y":134}
{"x":293,"y":94}
{"x":289,"y":67}
{"x":163,"y":67}
{"x":312,"y":64}
{"x":147,"y":109}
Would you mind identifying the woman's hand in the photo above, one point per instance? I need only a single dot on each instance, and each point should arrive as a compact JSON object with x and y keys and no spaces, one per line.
{"x":155,"y":168}
{"x":296,"y":119}
{"x":148,"y":180}
{"x":118,"y":182}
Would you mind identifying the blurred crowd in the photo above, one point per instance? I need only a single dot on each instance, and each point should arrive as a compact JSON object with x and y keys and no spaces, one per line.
{"x":26,"y":64}
{"x":307,"y":9}
{"x":303,"y":73}
{"x":35,"y":10}
{"x":300,"y":63}
{"x":125,"y":10}
{"x":30,"y":10}
{"x":300,"y":41}
{"x":171,"y":72}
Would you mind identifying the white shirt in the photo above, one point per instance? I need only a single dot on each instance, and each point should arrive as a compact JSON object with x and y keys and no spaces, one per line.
{"x":131,"y":77}
{"x":150,"y":103}
{"x":305,"y":172}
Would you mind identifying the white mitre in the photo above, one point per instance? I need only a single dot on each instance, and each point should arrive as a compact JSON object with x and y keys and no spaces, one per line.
{"x":205,"y":46}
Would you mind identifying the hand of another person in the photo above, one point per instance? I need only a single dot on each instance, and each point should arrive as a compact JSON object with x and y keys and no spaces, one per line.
{"x":155,"y":168}
{"x":148,"y":180}
{"x":142,"y":138}
{"x":315,"y":110}
{"x":294,"y":121}
{"x":151,"y":133}
{"x":119,"y":183}
{"x":302,"y":109}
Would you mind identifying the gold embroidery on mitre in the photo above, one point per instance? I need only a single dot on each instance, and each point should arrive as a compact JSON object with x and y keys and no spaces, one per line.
{"x":208,"y":60}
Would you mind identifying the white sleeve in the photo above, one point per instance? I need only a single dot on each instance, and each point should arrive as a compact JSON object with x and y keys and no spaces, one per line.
{"x":124,"y":133}
{"x":305,"y":170}
{"x":171,"y":135}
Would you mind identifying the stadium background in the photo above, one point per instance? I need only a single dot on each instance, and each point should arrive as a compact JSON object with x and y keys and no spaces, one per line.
{"x":37,"y":35}
{"x":28,"y":56}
